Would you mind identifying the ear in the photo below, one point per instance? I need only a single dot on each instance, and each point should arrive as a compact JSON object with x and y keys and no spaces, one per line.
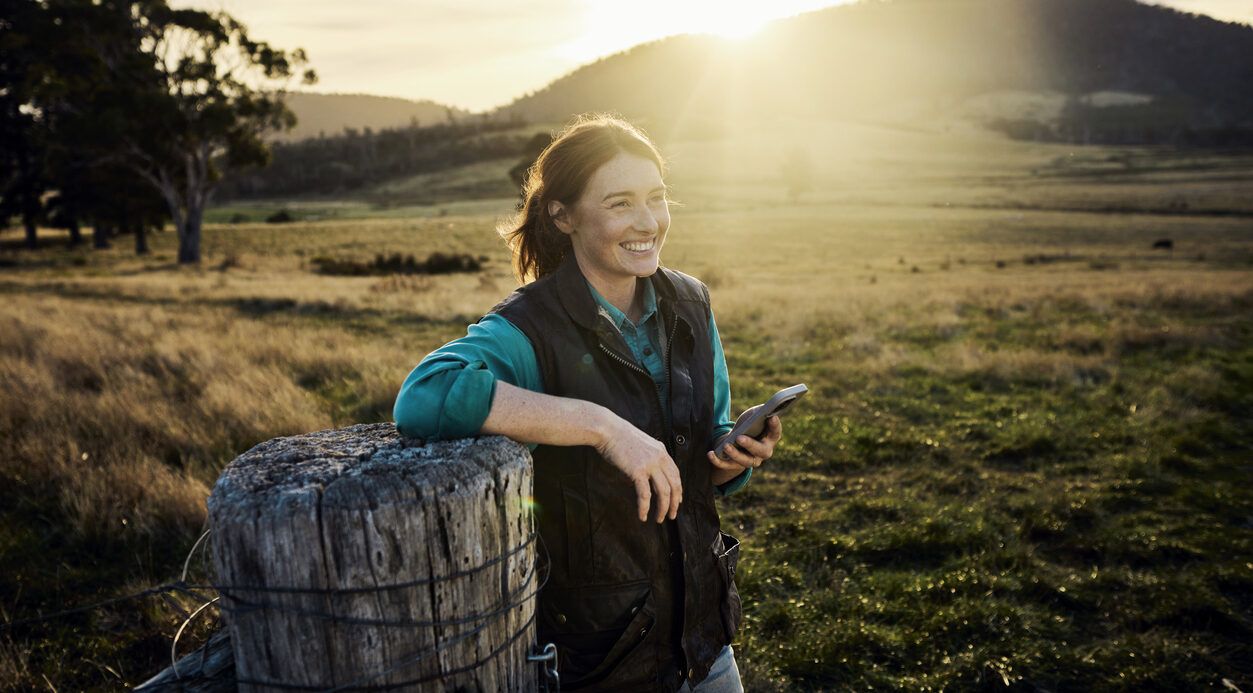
{"x":557,"y":212}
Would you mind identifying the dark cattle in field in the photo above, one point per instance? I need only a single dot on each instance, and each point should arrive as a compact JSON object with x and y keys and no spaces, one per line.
{"x":1164,"y":244}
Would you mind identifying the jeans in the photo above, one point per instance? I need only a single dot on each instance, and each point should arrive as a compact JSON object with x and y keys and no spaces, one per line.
{"x":724,"y":676}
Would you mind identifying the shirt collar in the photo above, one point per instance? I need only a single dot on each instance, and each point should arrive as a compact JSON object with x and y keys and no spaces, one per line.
{"x":617,"y":317}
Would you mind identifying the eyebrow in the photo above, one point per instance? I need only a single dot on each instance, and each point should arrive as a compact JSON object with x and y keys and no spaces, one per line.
{"x":628,"y":192}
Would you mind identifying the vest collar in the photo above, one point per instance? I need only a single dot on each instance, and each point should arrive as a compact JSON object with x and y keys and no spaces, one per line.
{"x":576,"y":295}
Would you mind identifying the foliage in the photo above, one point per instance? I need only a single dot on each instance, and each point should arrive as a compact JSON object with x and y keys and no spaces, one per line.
{"x":347,"y":163}
{"x":93,"y":89}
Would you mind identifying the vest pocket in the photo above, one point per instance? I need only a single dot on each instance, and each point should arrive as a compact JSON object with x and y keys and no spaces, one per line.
{"x":596,"y":630}
{"x":726,"y":549}
{"x":578,"y":526}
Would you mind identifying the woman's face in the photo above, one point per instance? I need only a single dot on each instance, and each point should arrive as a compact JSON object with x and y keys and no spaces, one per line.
{"x":619,"y":224}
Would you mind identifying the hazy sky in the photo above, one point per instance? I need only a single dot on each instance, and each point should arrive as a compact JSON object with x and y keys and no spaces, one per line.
{"x":477,"y":54}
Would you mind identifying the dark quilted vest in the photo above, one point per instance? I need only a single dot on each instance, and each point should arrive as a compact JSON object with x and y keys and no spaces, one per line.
{"x":630,"y":605}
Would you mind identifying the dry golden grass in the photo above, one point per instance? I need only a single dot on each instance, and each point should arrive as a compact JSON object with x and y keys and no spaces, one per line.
{"x":127,"y":412}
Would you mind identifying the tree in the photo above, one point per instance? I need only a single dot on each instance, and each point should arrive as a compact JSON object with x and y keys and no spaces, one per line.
{"x":199,"y":96}
{"x":22,"y":135}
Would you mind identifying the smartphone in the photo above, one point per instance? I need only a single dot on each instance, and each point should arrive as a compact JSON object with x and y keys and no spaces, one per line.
{"x":752,"y":422}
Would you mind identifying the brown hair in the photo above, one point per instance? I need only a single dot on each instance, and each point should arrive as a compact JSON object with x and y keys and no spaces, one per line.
{"x":560,"y":173}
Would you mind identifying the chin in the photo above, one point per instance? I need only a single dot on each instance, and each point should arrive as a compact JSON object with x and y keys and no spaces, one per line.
{"x":647,"y":269}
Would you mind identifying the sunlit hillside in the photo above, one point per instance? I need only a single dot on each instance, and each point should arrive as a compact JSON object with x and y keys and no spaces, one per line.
{"x":919,"y":61}
{"x":331,"y":114}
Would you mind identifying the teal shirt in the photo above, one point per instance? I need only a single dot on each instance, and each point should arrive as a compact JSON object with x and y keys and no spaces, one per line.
{"x":449,"y":394}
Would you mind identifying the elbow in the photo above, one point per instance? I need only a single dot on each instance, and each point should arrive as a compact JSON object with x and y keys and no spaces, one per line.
{"x":444,"y":405}
{"x":412,"y":419}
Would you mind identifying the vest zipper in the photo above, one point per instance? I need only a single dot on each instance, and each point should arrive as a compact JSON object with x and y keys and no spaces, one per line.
{"x":656,"y":394}
{"x":666,"y":427}
{"x":674,"y":324}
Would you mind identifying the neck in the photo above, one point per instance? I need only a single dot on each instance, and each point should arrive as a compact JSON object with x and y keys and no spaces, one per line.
{"x":621,"y":292}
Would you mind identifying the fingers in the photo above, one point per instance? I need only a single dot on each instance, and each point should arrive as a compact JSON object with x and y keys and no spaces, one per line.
{"x":671,"y":471}
{"x":643,"y":495}
{"x":661,"y":486}
{"x":774,"y":430}
{"x":739,"y":457}
{"x":723,"y":464}
{"x":754,"y":448}
{"x":763,"y":449}
{"x":667,"y":485}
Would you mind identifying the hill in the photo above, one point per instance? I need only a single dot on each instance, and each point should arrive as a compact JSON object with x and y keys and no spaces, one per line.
{"x":330,"y":114}
{"x":921,"y":59}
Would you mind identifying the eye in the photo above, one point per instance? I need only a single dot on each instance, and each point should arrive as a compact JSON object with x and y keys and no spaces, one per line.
{"x":619,"y":203}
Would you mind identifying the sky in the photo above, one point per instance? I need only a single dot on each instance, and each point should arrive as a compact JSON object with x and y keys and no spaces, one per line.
{"x":479,"y":54}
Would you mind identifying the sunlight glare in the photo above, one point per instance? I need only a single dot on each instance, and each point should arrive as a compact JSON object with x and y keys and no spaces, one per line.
{"x":612,"y":26}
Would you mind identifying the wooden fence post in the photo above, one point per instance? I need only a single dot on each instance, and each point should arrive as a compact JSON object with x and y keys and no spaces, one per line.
{"x":355,"y":558}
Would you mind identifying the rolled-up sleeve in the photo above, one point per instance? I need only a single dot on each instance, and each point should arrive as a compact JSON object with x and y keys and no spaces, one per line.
{"x":722,"y":405}
{"x":449,"y":394}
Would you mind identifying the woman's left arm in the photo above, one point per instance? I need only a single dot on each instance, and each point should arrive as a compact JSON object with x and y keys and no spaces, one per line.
{"x":732,"y":475}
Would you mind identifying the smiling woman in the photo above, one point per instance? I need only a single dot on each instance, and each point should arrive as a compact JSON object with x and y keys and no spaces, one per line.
{"x":610,"y":365}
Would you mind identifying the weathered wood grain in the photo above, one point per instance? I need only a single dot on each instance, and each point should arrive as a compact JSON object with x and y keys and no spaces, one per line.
{"x":358,"y":508}
{"x":209,"y":669}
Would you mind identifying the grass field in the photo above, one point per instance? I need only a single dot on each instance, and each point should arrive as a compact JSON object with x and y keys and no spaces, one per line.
{"x":1024,"y":462}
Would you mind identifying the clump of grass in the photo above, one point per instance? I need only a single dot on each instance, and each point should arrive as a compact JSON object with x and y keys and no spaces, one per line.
{"x":1049,"y":258}
{"x":282,"y":216}
{"x":436,"y":263}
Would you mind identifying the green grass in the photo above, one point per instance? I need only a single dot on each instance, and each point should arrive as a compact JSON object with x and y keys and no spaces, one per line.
{"x":924,"y":531}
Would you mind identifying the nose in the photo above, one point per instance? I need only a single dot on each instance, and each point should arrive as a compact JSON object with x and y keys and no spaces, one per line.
{"x":647,"y":220}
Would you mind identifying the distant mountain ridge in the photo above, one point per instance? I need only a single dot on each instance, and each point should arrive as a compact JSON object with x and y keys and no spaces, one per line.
{"x":868,"y":58}
{"x":330,"y":114}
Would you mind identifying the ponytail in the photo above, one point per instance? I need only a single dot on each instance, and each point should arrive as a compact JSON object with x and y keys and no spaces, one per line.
{"x":538,"y":245}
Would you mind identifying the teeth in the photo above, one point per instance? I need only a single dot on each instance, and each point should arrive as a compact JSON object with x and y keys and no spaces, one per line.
{"x":638,"y":247}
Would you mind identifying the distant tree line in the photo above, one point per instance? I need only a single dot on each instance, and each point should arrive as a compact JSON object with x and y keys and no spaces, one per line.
{"x":1160,"y":121}
{"x":355,"y":159}
{"x":121,"y":114}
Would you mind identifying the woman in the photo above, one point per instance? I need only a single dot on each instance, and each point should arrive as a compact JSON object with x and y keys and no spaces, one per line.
{"x":611,"y":366}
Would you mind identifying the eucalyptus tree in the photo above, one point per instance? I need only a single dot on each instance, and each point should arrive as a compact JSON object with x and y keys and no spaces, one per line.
{"x":200,"y":96}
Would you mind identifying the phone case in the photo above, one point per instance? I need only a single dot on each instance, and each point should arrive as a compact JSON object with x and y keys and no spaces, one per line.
{"x":754,"y":425}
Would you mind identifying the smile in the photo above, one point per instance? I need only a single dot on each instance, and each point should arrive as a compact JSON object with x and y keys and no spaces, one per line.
{"x":639,"y":246}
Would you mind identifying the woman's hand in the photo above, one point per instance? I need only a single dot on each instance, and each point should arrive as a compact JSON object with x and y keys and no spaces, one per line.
{"x":645,"y":461}
{"x":749,"y":453}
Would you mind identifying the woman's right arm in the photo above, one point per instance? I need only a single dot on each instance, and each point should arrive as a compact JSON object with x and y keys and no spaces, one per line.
{"x":488,"y":382}
{"x":533,"y":417}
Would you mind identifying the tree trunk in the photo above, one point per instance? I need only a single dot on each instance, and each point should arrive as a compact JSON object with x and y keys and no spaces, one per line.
{"x":32,"y":232}
{"x":76,"y":234}
{"x":189,"y":238}
{"x":361,"y":524}
{"x":141,"y":238}
{"x":100,"y":235}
